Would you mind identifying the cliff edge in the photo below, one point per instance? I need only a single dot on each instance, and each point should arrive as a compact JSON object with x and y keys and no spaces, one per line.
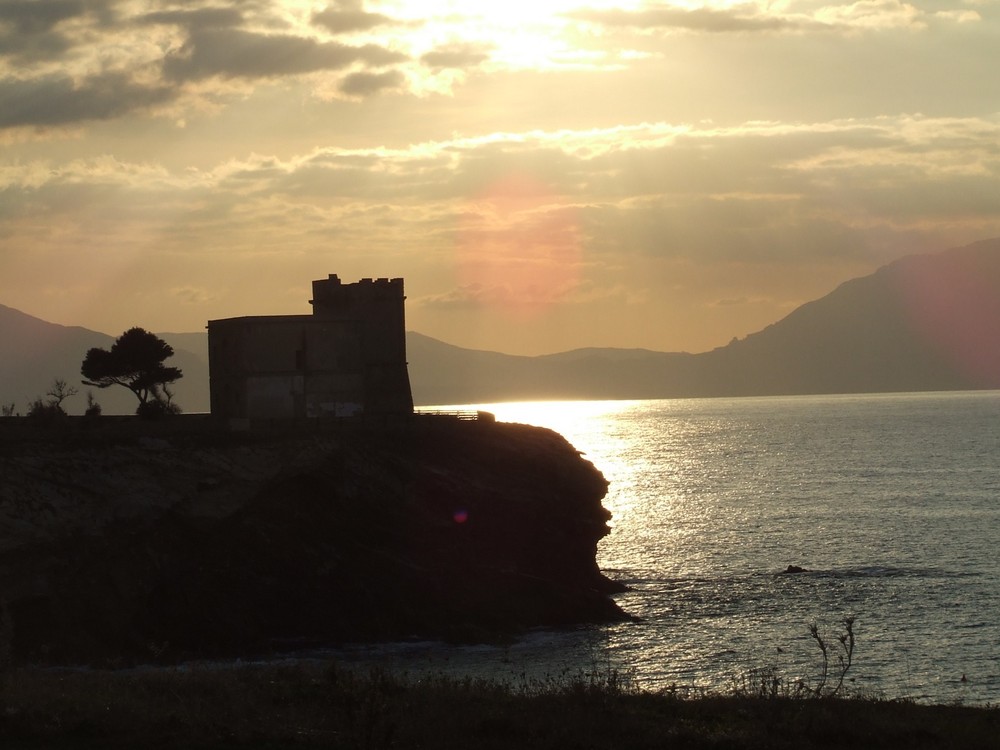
{"x":211,"y":544}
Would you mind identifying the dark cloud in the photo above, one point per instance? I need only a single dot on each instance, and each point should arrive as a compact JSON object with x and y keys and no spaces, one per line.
{"x":28,"y":48}
{"x":465,"y":56}
{"x":700,"y":19}
{"x":465,"y":297}
{"x":368,"y":84}
{"x":34,"y":17}
{"x":234,"y":53}
{"x":202,"y":18}
{"x":33,"y":30}
{"x":55,"y":101}
{"x":28,"y":29}
{"x":343,"y":20}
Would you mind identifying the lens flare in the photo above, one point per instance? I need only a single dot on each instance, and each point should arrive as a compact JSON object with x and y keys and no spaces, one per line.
{"x":954,"y":310}
{"x":518,"y":248}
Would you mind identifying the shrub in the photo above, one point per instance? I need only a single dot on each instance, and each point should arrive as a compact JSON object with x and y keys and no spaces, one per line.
{"x":844,"y":657}
{"x":156,"y":409}
{"x":769,"y":682}
{"x":93,"y":408}
{"x":45,"y":412}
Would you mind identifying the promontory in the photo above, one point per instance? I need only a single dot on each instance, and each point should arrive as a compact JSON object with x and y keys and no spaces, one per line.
{"x":127,"y":541}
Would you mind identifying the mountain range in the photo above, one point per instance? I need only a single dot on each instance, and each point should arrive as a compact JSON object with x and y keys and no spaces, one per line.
{"x":921,"y":323}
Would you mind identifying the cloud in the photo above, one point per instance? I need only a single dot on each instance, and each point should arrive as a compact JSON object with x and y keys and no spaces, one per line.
{"x":348,"y":17}
{"x":456,"y":56}
{"x":782,"y":17}
{"x":57,"y":101}
{"x":757,"y":193}
{"x":233,"y":53}
{"x":503,"y":296}
{"x":26,"y":48}
{"x":959,"y":16}
{"x":32,"y":17}
{"x":737,"y":19}
{"x":368,"y":84}
{"x":873,"y":14}
{"x":463,"y":297}
{"x":208,"y":54}
{"x":28,"y":29}
{"x":658,"y":210}
{"x":193,"y":295}
{"x":194,"y":20}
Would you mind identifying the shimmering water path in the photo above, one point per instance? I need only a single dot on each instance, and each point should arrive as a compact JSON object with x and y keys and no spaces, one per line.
{"x":891,"y":503}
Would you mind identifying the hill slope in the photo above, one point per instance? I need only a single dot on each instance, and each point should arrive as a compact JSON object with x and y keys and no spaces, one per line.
{"x":34,"y":352}
{"x":926,"y":322}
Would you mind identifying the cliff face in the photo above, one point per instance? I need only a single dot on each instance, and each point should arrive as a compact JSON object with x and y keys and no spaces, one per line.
{"x":216,"y":545}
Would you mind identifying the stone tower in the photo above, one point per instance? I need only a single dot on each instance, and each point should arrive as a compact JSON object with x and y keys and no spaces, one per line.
{"x":346,"y":359}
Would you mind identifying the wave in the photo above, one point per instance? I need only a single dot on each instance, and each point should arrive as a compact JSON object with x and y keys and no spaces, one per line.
{"x":646,"y":579}
{"x":881,"y":571}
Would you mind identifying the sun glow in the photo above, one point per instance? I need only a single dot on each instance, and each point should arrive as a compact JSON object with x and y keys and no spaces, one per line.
{"x":510,"y":13}
{"x":517,"y":33}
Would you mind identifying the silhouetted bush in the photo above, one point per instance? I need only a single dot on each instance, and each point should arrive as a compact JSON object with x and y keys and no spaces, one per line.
{"x":157,"y":409}
{"x":59,"y":392}
{"x":769,"y":682}
{"x":41,"y":411}
{"x":93,"y":408}
{"x":51,"y":410}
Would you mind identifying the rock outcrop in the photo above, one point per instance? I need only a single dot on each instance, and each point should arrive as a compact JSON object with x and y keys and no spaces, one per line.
{"x":213,"y":544}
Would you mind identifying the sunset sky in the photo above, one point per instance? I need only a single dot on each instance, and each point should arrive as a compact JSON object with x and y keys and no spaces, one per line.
{"x":545,"y":175}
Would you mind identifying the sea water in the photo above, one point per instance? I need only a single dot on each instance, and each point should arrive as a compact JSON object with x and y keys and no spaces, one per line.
{"x":891,"y":504}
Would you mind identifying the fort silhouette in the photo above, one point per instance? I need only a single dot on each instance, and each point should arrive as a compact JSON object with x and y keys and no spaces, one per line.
{"x":348,"y":358}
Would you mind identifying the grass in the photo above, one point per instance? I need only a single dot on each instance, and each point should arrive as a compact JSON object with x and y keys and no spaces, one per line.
{"x":312,"y":705}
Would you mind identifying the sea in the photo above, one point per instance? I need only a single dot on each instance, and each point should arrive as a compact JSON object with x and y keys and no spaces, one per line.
{"x":889,"y":503}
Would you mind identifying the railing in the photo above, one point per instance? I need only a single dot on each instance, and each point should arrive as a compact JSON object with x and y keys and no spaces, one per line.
{"x":462,"y":414}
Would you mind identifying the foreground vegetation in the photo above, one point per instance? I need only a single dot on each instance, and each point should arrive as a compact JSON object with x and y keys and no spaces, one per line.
{"x":315,"y":705}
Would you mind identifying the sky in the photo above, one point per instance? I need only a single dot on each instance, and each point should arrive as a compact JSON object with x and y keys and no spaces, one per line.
{"x":545,"y":175}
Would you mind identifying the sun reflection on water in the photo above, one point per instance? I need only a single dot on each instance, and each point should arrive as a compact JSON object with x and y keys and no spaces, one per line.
{"x":605,"y":433}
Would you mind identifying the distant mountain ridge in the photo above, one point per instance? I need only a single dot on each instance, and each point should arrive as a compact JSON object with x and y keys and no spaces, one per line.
{"x":921,"y":323}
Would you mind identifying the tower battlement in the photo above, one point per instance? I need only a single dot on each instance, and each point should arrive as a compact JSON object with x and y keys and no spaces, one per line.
{"x":332,"y":293}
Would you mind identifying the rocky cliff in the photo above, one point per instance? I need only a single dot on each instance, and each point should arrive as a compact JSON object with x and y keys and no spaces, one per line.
{"x":203,"y":543}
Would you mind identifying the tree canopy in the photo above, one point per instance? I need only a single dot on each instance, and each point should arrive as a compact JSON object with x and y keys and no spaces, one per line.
{"x":134,"y":361}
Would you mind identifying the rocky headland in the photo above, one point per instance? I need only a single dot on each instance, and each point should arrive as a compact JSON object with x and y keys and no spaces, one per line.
{"x":140,"y":543}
